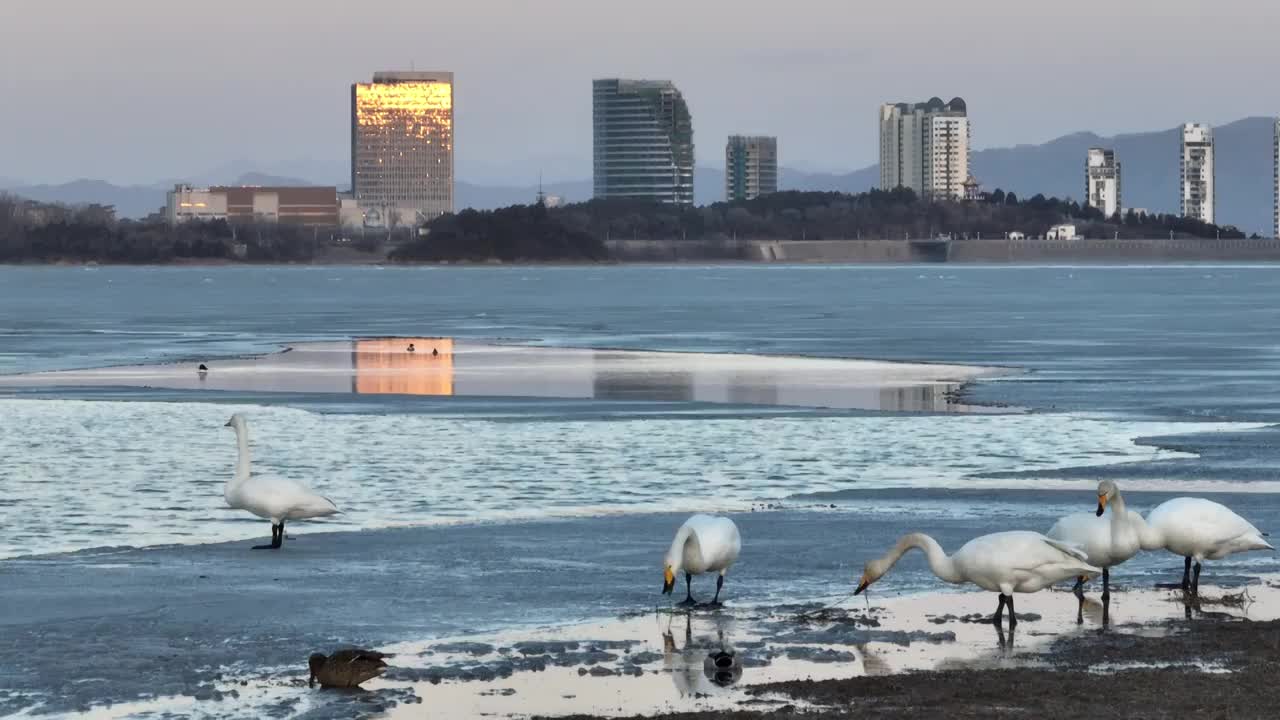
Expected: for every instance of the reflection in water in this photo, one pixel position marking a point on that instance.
(644, 386)
(399, 366)
(704, 664)
(443, 366)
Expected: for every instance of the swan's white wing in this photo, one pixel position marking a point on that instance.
(1008, 557)
(283, 498)
(718, 543)
(1088, 532)
(1069, 548)
(1195, 526)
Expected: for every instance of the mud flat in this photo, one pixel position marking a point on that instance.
(442, 366)
(927, 655)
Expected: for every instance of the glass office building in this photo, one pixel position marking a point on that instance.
(643, 141)
(402, 145)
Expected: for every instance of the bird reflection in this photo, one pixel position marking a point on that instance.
(704, 664)
(1006, 643)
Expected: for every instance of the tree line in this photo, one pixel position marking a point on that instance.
(42, 232)
(877, 214)
(47, 232)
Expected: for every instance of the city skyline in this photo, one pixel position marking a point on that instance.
(174, 92)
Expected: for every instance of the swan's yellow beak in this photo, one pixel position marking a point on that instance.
(668, 580)
(862, 584)
(1102, 504)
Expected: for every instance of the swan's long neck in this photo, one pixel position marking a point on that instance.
(1124, 529)
(242, 459)
(675, 556)
(941, 565)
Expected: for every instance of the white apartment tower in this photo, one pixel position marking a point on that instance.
(925, 147)
(750, 167)
(1102, 181)
(1197, 172)
(1275, 208)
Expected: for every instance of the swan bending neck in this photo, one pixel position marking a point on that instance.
(675, 555)
(941, 565)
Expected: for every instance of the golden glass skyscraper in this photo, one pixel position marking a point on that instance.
(402, 147)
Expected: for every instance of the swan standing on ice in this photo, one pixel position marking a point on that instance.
(1003, 562)
(703, 544)
(1107, 540)
(1199, 530)
(277, 499)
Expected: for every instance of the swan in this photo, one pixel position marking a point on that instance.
(277, 499)
(703, 544)
(1199, 530)
(1107, 540)
(345, 668)
(1003, 562)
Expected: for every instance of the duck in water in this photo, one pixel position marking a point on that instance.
(345, 668)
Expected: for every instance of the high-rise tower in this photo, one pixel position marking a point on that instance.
(643, 141)
(402, 146)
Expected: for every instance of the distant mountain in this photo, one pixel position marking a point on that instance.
(257, 178)
(708, 187)
(1149, 170)
(129, 200)
(1056, 168)
(488, 197)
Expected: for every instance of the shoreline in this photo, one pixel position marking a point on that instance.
(926, 653)
(473, 612)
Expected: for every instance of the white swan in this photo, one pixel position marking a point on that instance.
(1199, 530)
(277, 499)
(1107, 540)
(703, 544)
(1003, 562)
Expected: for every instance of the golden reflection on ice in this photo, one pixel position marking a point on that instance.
(403, 366)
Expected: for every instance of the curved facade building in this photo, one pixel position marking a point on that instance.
(643, 141)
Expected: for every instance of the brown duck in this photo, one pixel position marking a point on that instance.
(346, 668)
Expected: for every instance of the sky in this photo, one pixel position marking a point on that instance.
(141, 91)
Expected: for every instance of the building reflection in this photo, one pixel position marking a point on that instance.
(443, 366)
(389, 366)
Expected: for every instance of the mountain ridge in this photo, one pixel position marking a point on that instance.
(1149, 164)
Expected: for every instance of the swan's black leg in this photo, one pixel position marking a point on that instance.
(715, 601)
(280, 538)
(999, 612)
(688, 589)
(1186, 574)
(1013, 617)
(275, 540)
(1078, 591)
(1106, 596)
(1195, 581)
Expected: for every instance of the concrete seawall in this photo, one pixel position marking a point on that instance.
(958, 251)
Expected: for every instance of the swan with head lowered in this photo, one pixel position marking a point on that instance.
(1199, 530)
(1107, 539)
(1003, 562)
(703, 544)
(276, 499)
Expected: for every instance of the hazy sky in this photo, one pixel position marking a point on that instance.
(141, 90)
